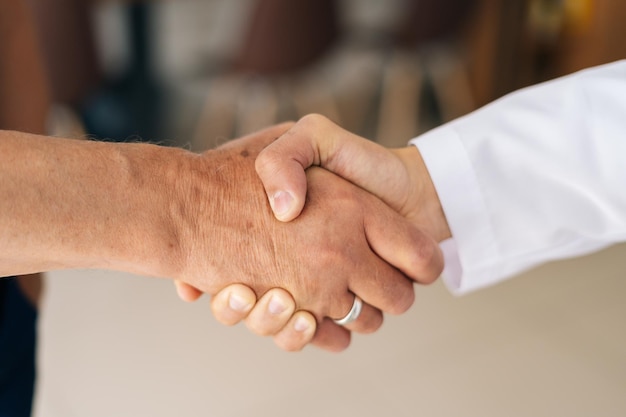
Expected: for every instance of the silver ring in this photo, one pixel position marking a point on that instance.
(353, 314)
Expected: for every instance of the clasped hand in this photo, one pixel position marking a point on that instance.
(367, 225)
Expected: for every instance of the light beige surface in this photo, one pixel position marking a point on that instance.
(548, 343)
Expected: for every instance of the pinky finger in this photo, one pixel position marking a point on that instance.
(331, 337)
(186, 292)
(297, 333)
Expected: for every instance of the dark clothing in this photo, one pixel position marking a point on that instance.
(18, 322)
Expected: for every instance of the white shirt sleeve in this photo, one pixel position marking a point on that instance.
(535, 176)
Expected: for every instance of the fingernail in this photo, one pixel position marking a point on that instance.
(237, 303)
(276, 306)
(281, 202)
(301, 324)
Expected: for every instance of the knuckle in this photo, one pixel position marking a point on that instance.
(372, 325)
(261, 331)
(288, 344)
(313, 119)
(256, 327)
(424, 261)
(222, 320)
(404, 303)
(331, 337)
(217, 308)
(287, 124)
(226, 319)
(293, 348)
(267, 159)
(264, 332)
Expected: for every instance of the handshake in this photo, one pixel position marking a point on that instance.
(349, 228)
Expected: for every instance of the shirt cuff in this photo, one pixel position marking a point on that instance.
(468, 255)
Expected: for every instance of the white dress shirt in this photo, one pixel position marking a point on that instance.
(537, 175)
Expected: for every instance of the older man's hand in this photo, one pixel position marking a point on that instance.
(333, 251)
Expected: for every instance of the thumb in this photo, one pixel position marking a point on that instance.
(281, 168)
(315, 140)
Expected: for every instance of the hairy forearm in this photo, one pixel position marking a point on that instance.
(79, 204)
(202, 219)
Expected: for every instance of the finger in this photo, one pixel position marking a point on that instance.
(271, 313)
(297, 333)
(281, 167)
(330, 336)
(186, 292)
(233, 304)
(402, 245)
(383, 286)
(368, 321)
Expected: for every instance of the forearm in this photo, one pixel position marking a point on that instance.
(79, 204)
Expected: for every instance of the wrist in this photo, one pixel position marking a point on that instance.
(152, 178)
(424, 207)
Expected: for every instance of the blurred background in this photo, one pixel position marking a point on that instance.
(195, 73)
